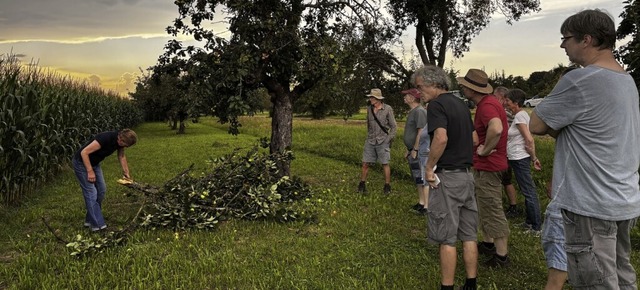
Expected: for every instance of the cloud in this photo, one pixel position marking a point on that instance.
(94, 80)
(126, 83)
(72, 19)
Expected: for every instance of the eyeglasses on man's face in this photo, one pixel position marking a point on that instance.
(564, 38)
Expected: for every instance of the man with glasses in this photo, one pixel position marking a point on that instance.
(593, 113)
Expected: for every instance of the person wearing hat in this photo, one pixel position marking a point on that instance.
(490, 165)
(417, 148)
(381, 129)
(453, 212)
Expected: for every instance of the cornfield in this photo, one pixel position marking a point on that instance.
(44, 118)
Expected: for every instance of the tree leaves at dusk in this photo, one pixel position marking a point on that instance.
(630, 52)
(443, 25)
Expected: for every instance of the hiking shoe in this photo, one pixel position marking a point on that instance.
(486, 250)
(497, 262)
(387, 189)
(512, 212)
(362, 188)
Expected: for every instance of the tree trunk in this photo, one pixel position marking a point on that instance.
(281, 126)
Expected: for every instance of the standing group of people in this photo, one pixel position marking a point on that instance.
(464, 163)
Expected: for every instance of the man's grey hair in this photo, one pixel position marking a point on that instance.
(500, 91)
(432, 75)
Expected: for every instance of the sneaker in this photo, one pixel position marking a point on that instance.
(512, 212)
(422, 211)
(362, 187)
(387, 189)
(417, 207)
(496, 262)
(486, 250)
(533, 232)
(87, 225)
(99, 229)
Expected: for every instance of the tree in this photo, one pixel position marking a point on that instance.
(630, 52)
(285, 46)
(443, 25)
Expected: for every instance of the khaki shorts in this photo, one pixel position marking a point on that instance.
(493, 222)
(376, 153)
(453, 213)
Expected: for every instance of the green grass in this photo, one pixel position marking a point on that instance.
(359, 242)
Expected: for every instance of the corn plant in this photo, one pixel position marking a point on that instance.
(44, 118)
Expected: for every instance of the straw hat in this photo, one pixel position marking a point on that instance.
(476, 80)
(376, 93)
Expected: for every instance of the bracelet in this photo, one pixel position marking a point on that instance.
(534, 160)
(415, 150)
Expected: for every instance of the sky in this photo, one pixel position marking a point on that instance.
(109, 42)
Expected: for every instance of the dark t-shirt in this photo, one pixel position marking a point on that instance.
(108, 144)
(449, 112)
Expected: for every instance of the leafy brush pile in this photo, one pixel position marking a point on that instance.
(245, 186)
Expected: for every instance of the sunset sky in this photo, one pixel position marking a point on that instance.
(107, 42)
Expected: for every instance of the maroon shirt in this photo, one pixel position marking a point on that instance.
(488, 108)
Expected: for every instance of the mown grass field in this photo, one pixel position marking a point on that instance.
(359, 242)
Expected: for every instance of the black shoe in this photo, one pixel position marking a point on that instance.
(422, 211)
(417, 207)
(486, 250)
(362, 187)
(387, 188)
(512, 212)
(497, 262)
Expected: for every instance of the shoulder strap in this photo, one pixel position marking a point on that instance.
(384, 129)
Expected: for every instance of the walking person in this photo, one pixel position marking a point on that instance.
(521, 152)
(593, 114)
(86, 165)
(416, 122)
(381, 129)
(490, 165)
(453, 213)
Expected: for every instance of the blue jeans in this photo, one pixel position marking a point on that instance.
(93, 193)
(522, 171)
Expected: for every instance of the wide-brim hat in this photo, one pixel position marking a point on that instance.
(376, 93)
(476, 80)
(414, 92)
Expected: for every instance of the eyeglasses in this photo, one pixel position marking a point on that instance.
(564, 38)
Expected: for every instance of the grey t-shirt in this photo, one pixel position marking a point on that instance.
(416, 119)
(597, 154)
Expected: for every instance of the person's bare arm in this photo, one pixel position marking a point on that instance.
(438, 144)
(84, 154)
(539, 127)
(494, 131)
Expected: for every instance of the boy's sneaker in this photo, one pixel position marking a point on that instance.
(497, 262)
(362, 187)
(486, 250)
(387, 188)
